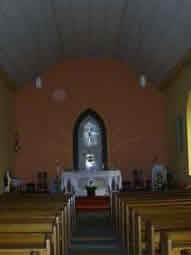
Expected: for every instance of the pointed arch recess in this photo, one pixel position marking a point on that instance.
(91, 113)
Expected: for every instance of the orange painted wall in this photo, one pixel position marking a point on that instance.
(134, 117)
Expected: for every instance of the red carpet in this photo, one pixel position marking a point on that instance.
(98, 203)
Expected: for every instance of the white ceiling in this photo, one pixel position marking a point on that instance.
(34, 34)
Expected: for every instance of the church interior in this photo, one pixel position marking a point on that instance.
(95, 127)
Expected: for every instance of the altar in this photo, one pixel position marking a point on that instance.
(90, 160)
(105, 181)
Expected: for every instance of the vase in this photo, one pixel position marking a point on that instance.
(91, 193)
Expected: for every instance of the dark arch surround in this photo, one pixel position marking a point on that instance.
(99, 120)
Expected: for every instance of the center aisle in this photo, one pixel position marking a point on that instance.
(94, 235)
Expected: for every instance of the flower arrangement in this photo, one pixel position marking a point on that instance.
(90, 187)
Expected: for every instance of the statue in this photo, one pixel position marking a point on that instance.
(90, 134)
(7, 180)
(159, 176)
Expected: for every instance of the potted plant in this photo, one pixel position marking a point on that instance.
(91, 188)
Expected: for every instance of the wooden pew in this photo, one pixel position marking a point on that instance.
(131, 196)
(39, 217)
(127, 205)
(175, 228)
(25, 244)
(174, 240)
(28, 215)
(151, 197)
(56, 201)
(32, 226)
(164, 215)
(128, 226)
(131, 210)
(37, 202)
(35, 216)
(139, 196)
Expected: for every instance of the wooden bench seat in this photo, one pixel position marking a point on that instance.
(31, 215)
(16, 243)
(175, 230)
(22, 239)
(138, 197)
(162, 220)
(127, 221)
(38, 214)
(175, 240)
(127, 206)
(45, 226)
(38, 201)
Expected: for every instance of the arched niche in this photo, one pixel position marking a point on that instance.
(89, 142)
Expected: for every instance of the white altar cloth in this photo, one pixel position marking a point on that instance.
(104, 181)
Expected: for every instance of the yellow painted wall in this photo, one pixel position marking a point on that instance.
(188, 128)
(7, 128)
(177, 93)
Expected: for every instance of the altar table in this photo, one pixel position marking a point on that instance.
(105, 181)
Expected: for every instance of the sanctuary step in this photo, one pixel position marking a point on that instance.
(97, 203)
(94, 235)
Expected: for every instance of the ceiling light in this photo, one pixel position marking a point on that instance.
(38, 82)
(142, 81)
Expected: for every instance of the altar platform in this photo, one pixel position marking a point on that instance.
(105, 181)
